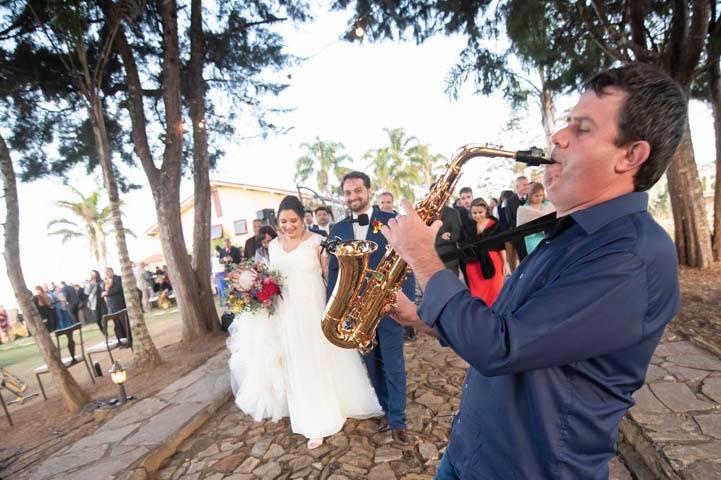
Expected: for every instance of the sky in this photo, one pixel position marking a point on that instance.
(342, 92)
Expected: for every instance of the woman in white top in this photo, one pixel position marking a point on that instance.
(536, 207)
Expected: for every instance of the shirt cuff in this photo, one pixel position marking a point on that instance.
(440, 288)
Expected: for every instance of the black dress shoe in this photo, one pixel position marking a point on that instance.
(383, 425)
(400, 435)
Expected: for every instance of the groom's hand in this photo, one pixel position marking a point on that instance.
(414, 241)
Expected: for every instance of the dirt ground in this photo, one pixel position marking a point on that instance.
(700, 315)
(42, 427)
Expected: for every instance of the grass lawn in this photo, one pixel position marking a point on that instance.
(25, 348)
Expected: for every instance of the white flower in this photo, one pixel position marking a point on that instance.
(247, 279)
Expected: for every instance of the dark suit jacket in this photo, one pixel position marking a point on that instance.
(344, 230)
(71, 296)
(234, 253)
(448, 249)
(115, 298)
(316, 229)
(512, 205)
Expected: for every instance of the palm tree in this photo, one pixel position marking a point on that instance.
(391, 168)
(428, 164)
(322, 157)
(91, 221)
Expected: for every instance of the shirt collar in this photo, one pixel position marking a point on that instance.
(596, 217)
(368, 212)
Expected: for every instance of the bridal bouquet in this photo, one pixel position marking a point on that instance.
(255, 287)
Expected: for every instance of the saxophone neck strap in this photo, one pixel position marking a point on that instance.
(546, 222)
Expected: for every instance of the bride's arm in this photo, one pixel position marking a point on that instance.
(323, 259)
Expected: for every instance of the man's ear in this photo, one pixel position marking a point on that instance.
(636, 154)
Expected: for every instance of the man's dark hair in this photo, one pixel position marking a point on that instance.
(322, 209)
(465, 190)
(308, 211)
(654, 110)
(360, 175)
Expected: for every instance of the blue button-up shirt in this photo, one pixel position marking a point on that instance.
(555, 361)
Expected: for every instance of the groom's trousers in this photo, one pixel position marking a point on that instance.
(387, 372)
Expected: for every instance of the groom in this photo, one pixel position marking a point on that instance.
(385, 363)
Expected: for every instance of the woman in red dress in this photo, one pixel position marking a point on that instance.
(486, 266)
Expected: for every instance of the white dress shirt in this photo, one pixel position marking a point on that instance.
(360, 232)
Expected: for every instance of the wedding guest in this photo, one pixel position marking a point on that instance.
(218, 277)
(323, 224)
(253, 242)
(115, 300)
(486, 266)
(144, 284)
(536, 207)
(94, 289)
(308, 219)
(60, 304)
(385, 202)
(45, 307)
(555, 363)
(73, 302)
(267, 234)
(229, 254)
(448, 237)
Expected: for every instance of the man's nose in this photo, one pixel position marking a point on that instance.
(560, 138)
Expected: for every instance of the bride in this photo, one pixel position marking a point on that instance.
(281, 364)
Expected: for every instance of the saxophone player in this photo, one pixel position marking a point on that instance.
(556, 361)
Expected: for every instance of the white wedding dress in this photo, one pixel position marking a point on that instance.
(282, 364)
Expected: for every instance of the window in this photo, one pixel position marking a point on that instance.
(216, 231)
(240, 227)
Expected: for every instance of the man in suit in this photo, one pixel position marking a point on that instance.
(385, 363)
(308, 219)
(229, 254)
(252, 244)
(323, 224)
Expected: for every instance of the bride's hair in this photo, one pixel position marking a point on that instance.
(292, 203)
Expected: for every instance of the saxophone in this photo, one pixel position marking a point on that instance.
(356, 306)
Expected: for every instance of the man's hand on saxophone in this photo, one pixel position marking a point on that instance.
(414, 241)
(403, 311)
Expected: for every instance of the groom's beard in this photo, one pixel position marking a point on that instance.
(360, 209)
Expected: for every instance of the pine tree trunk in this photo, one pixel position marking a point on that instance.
(715, 91)
(693, 241)
(73, 396)
(548, 110)
(165, 181)
(183, 277)
(145, 355)
(201, 167)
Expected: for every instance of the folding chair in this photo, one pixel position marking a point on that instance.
(108, 345)
(73, 359)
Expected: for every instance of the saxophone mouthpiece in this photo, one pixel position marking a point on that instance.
(534, 157)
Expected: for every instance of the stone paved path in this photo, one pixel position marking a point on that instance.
(140, 438)
(233, 447)
(675, 426)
